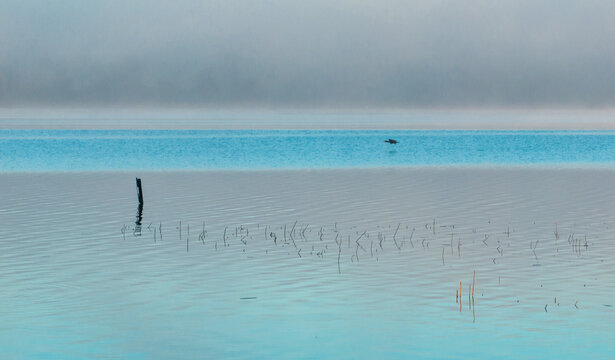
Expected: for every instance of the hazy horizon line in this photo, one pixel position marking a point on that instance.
(218, 118)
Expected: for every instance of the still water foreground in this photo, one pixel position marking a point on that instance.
(309, 264)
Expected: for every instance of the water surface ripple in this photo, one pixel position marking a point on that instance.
(71, 150)
(360, 263)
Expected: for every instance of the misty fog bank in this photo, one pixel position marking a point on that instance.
(307, 54)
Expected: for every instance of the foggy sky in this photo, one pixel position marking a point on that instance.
(311, 53)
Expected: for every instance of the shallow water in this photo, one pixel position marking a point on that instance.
(69, 150)
(79, 281)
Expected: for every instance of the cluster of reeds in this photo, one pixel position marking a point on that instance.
(458, 293)
(299, 236)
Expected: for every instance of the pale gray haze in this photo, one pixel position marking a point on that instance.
(280, 53)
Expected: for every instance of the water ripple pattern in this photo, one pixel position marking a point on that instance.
(328, 264)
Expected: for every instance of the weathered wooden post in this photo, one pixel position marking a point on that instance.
(139, 191)
(137, 231)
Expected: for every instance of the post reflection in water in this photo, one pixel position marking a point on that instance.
(139, 219)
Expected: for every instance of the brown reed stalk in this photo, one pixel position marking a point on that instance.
(292, 231)
(201, 235)
(394, 237)
(443, 256)
(470, 294)
(292, 238)
(339, 253)
(473, 282)
(359, 238)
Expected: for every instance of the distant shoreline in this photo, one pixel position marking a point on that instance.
(306, 119)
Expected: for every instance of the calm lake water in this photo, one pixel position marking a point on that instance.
(309, 263)
(51, 150)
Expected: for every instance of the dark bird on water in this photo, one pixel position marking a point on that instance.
(391, 141)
